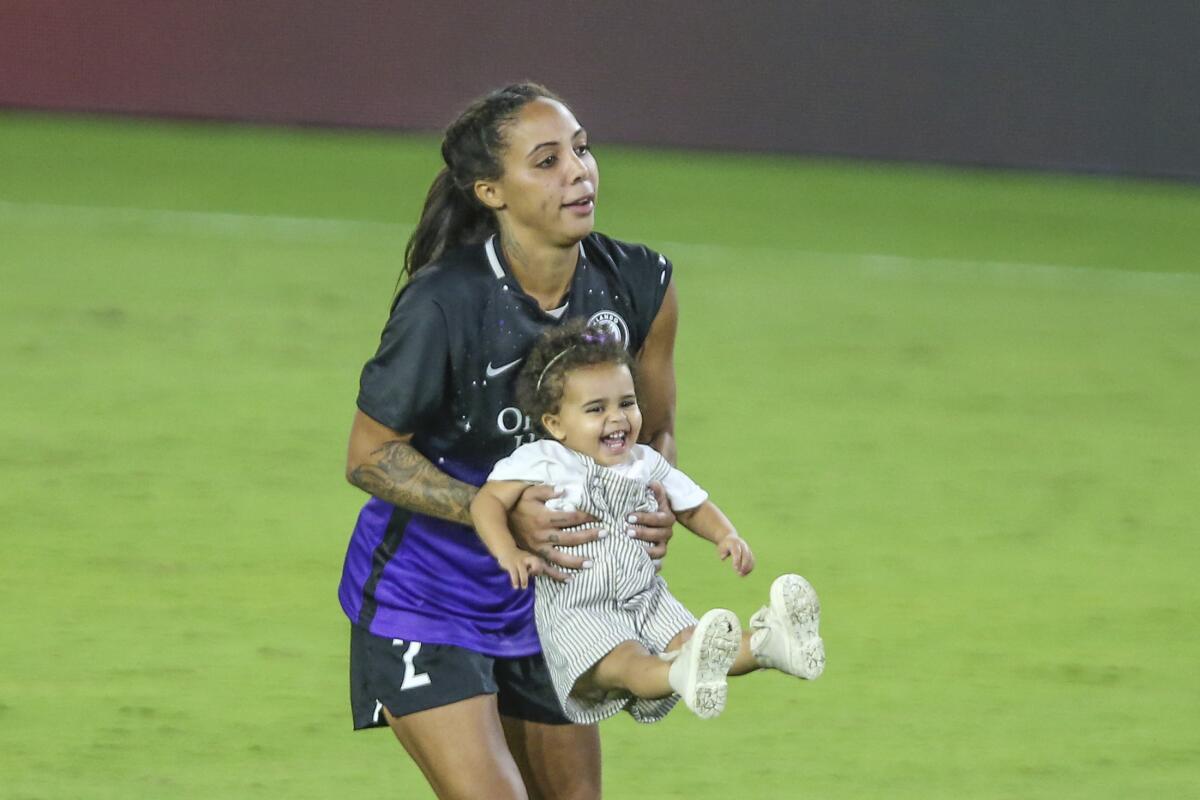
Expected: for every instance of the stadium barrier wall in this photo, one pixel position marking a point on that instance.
(1106, 87)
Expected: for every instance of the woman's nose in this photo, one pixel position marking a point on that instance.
(578, 170)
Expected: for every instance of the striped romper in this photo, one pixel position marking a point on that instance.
(620, 598)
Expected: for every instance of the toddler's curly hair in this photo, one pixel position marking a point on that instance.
(558, 352)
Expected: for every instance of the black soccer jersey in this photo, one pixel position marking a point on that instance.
(449, 357)
(446, 372)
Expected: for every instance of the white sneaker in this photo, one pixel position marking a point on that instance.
(785, 633)
(698, 674)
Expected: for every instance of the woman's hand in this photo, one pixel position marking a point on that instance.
(539, 530)
(735, 546)
(654, 527)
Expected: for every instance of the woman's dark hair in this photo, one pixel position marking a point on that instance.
(558, 353)
(471, 148)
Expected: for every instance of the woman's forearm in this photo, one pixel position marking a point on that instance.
(664, 443)
(397, 473)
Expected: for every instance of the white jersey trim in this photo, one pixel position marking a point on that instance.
(494, 260)
(497, 270)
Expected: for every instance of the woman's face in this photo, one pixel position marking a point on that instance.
(547, 192)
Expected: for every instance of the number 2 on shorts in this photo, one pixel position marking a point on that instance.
(412, 678)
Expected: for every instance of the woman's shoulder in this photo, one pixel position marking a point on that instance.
(623, 255)
(640, 275)
(450, 273)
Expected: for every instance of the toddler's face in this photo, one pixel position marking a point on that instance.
(599, 414)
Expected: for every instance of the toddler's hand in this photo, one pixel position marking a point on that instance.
(521, 566)
(743, 557)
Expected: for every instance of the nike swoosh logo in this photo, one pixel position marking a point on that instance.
(494, 371)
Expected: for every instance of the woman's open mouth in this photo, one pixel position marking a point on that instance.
(583, 206)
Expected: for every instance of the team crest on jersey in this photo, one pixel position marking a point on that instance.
(611, 321)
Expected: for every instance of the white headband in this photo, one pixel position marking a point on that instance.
(549, 364)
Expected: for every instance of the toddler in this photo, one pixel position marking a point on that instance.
(614, 637)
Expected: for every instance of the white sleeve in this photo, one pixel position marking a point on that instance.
(682, 492)
(547, 463)
(527, 463)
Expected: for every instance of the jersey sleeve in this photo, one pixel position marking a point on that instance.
(646, 274)
(650, 275)
(405, 383)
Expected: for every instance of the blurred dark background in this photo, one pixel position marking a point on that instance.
(1107, 87)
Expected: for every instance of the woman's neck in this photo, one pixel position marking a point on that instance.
(544, 271)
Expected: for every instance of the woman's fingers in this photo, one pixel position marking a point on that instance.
(541, 493)
(563, 558)
(655, 527)
(559, 538)
(551, 571)
(651, 526)
(656, 524)
(569, 519)
(655, 537)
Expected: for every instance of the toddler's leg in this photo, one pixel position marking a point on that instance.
(745, 661)
(696, 671)
(631, 667)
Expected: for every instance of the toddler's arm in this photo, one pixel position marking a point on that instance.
(709, 522)
(489, 513)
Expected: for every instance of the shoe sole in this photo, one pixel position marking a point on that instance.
(795, 601)
(718, 637)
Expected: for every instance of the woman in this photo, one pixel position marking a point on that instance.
(443, 650)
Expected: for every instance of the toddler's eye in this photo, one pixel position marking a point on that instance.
(583, 149)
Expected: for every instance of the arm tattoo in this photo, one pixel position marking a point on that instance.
(403, 477)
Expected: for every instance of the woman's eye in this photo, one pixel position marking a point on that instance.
(593, 409)
(583, 149)
(546, 162)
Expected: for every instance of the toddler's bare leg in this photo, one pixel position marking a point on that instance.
(631, 667)
(745, 661)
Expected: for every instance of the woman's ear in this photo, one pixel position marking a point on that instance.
(553, 426)
(489, 194)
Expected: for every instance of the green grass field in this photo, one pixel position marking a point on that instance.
(964, 403)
